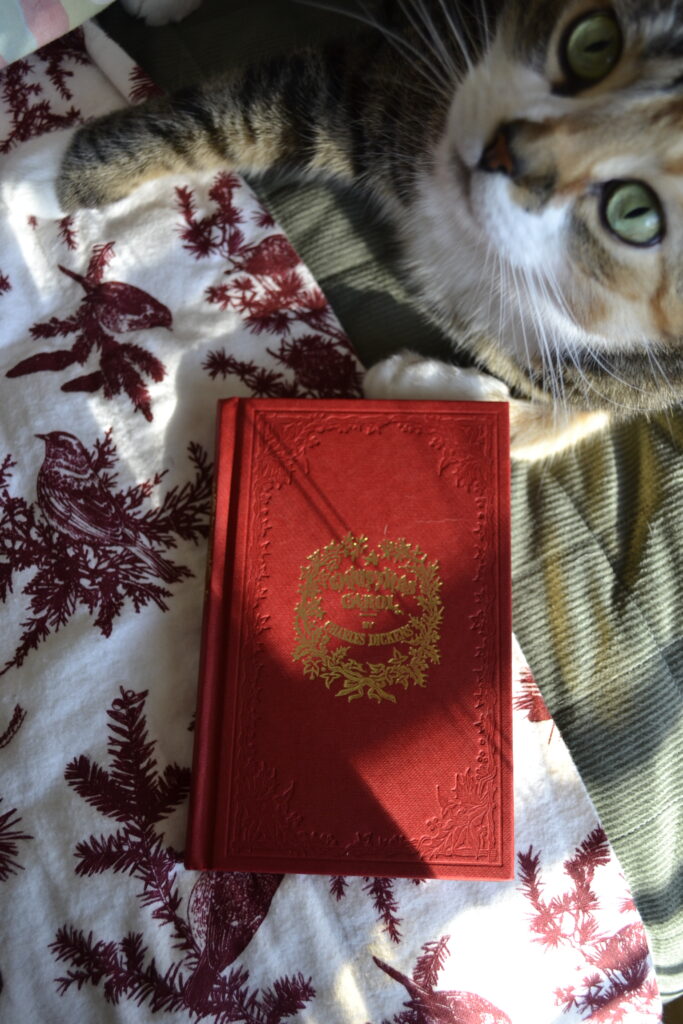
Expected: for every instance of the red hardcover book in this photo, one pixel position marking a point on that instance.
(354, 712)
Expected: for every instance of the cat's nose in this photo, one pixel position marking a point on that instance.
(498, 156)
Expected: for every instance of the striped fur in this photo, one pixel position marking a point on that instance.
(517, 265)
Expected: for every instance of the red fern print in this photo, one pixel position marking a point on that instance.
(15, 724)
(531, 701)
(382, 892)
(9, 837)
(108, 306)
(619, 974)
(224, 911)
(70, 47)
(264, 285)
(31, 114)
(90, 545)
(428, 1005)
(142, 87)
(67, 232)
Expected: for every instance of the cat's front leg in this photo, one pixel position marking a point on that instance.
(538, 429)
(406, 375)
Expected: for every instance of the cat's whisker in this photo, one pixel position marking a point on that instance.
(431, 39)
(609, 372)
(502, 293)
(549, 335)
(547, 378)
(506, 310)
(483, 289)
(554, 297)
(534, 285)
(484, 21)
(658, 371)
(488, 280)
(457, 35)
(443, 86)
(546, 371)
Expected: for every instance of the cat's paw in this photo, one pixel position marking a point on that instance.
(160, 12)
(29, 175)
(406, 375)
(540, 430)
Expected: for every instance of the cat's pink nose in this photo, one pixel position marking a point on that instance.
(498, 156)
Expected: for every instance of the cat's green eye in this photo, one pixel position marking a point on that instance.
(632, 212)
(591, 47)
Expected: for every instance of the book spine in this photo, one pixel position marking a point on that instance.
(217, 599)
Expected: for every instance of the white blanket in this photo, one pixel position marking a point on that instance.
(119, 330)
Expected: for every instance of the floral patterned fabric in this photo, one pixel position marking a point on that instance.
(119, 330)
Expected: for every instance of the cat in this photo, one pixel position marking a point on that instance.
(530, 156)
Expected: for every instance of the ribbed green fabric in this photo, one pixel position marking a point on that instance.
(597, 534)
(598, 595)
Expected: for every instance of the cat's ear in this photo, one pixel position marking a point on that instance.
(160, 12)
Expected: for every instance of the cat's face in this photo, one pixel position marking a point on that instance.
(557, 190)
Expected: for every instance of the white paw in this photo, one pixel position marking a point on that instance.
(410, 376)
(28, 175)
(160, 12)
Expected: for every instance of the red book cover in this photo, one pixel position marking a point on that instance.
(354, 713)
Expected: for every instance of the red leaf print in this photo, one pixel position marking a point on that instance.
(91, 546)
(622, 975)
(9, 837)
(108, 306)
(16, 722)
(383, 894)
(5, 285)
(70, 47)
(531, 700)
(224, 910)
(142, 86)
(384, 901)
(263, 285)
(30, 116)
(67, 232)
(338, 886)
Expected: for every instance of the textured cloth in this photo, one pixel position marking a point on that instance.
(27, 24)
(597, 533)
(119, 331)
(598, 593)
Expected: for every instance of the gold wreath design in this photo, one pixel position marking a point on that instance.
(369, 679)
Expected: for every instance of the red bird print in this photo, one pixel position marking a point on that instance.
(78, 504)
(435, 1007)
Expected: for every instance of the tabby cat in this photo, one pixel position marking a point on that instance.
(530, 155)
